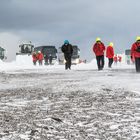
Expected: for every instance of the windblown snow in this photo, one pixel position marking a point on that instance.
(49, 103)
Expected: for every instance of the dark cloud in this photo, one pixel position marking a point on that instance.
(52, 21)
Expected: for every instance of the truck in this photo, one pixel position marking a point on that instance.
(24, 56)
(75, 56)
(49, 52)
(25, 49)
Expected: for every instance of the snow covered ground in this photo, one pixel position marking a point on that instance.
(49, 103)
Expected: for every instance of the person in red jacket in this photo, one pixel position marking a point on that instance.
(115, 59)
(34, 58)
(40, 57)
(98, 49)
(110, 54)
(135, 52)
(119, 59)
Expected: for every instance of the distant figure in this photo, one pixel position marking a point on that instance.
(40, 57)
(46, 59)
(85, 61)
(34, 58)
(98, 49)
(115, 59)
(50, 59)
(110, 54)
(135, 53)
(67, 49)
(119, 59)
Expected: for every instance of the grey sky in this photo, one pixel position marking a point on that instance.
(79, 21)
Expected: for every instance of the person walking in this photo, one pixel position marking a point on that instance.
(50, 59)
(46, 59)
(40, 57)
(34, 58)
(67, 49)
(135, 53)
(98, 49)
(115, 59)
(119, 58)
(110, 54)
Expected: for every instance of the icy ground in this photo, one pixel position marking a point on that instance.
(81, 104)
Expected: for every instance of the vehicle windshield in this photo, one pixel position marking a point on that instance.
(127, 52)
(26, 48)
(49, 50)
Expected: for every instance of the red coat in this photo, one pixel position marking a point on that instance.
(34, 57)
(115, 59)
(134, 52)
(40, 56)
(98, 49)
(119, 58)
(109, 52)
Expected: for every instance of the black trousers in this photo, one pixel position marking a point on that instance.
(40, 62)
(100, 62)
(137, 64)
(110, 62)
(34, 62)
(68, 61)
(50, 61)
(46, 61)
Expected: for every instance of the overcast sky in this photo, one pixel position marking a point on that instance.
(50, 22)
